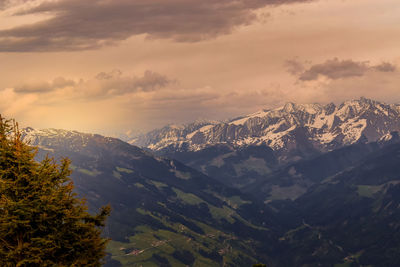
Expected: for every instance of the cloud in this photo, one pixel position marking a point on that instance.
(294, 67)
(6, 4)
(377, 85)
(15, 103)
(152, 100)
(114, 83)
(335, 69)
(149, 100)
(42, 87)
(108, 97)
(385, 67)
(103, 85)
(339, 80)
(83, 25)
(185, 105)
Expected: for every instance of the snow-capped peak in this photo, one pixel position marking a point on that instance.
(322, 127)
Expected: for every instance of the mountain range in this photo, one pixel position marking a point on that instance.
(241, 151)
(160, 206)
(301, 185)
(287, 130)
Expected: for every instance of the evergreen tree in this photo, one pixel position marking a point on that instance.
(42, 222)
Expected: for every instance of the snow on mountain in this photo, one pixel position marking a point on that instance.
(322, 127)
(47, 139)
(36, 136)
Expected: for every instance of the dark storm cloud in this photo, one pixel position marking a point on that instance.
(335, 69)
(90, 24)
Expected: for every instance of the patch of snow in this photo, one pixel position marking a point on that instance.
(272, 126)
(353, 129)
(239, 121)
(206, 128)
(382, 110)
(326, 138)
(189, 136)
(259, 114)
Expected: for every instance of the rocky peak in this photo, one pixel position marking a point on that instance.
(323, 127)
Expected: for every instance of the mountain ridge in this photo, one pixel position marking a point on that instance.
(159, 206)
(166, 212)
(314, 126)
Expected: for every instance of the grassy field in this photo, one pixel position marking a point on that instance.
(180, 247)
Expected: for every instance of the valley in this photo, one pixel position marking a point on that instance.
(235, 205)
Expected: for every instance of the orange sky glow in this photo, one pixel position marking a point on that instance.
(112, 66)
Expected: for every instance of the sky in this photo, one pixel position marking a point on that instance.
(128, 66)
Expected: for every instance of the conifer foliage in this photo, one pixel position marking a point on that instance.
(42, 222)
